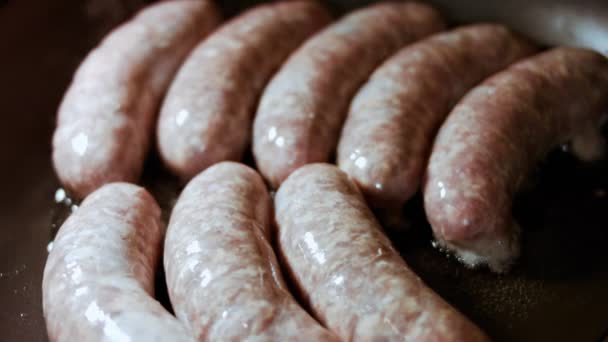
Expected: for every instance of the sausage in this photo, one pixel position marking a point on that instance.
(302, 109)
(106, 119)
(99, 277)
(348, 272)
(223, 278)
(206, 116)
(496, 135)
(389, 131)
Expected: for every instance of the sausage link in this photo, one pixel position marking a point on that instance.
(394, 117)
(496, 135)
(106, 119)
(347, 270)
(302, 109)
(99, 278)
(223, 277)
(206, 116)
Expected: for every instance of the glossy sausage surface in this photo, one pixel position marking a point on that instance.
(393, 119)
(99, 278)
(346, 269)
(302, 109)
(497, 134)
(206, 116)
(223, 277)
(106, 119)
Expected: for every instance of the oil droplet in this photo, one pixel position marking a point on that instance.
(60, 195)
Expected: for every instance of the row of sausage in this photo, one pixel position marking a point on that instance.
(224, 279)
(399, 111)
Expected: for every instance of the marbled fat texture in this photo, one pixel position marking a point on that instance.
(99, 278)
(207, 114)
(223, 277)
(348, 272)
(497, 134)
(106, 119)
(388, 134)
(303, 107)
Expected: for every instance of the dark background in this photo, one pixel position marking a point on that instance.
(559, 291)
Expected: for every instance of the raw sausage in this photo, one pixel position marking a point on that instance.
(302, 109)
(394, 117)
(99, 278)
(223, 277)
(346, 269)
(106, 119)
(206, 116)
(496, 135)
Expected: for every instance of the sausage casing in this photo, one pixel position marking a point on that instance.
(223, 277)
(393, 119)
(497, 134)
(105, 121)
(99, 278)
(206, 116)
(348, 272)
(303, 107)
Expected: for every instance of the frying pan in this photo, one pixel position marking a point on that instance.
(558, 292)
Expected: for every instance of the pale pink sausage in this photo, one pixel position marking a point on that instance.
(106, 119)
(206, 116)
(496, 135)
(393, 119)
(223, 278)
(99, 278)
(302, 109)
(348, 272)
